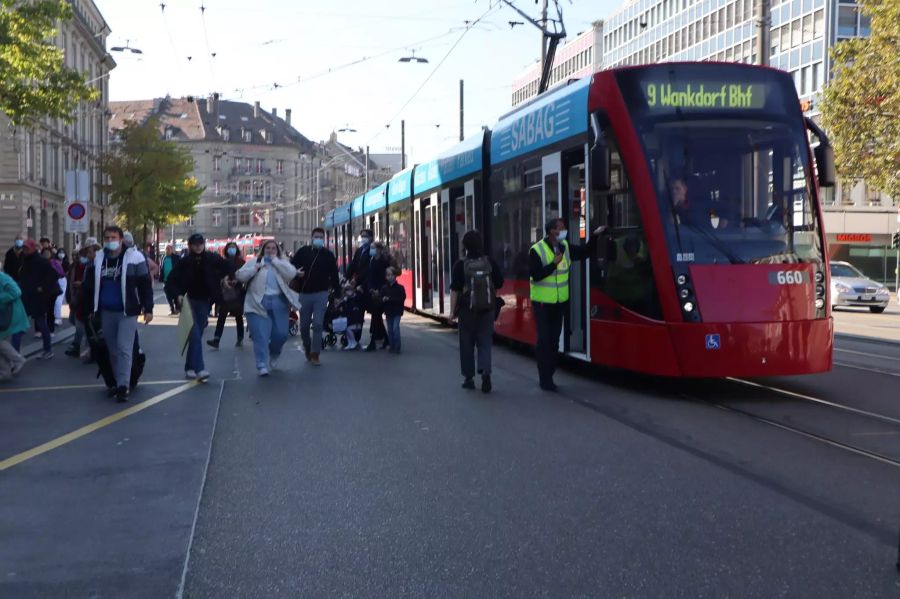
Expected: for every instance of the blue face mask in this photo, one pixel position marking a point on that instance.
(20, 243)
(318, 243)
(112, 245)
(232, 251)
(372, 252)
(84, 260)
(563, 234)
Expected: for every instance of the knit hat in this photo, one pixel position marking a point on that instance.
(196, 239)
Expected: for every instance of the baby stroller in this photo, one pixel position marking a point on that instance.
(293, 322)
(335, 327)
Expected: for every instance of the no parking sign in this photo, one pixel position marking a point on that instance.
(77, 192)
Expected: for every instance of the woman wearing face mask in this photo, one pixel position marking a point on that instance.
(76, 305)
(377, 278)
(54, 311)
(267, 302)
(317, 274)
(232, 299)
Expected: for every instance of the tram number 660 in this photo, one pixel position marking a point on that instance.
(787, 277)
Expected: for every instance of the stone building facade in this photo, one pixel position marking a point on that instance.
(35, 156)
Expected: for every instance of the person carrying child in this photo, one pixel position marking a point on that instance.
(393, 296)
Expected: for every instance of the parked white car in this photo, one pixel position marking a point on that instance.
(849, 287)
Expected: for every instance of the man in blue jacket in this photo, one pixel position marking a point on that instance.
(118, 287)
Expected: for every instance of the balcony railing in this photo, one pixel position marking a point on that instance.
(240, 171)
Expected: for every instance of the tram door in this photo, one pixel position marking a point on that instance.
(433, 233)
(446, 253)
(557, 203)
(421, 245)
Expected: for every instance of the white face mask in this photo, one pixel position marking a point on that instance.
(563, 235)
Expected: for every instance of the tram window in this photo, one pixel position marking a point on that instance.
(399, 235)
(517, 215)
(622, 268)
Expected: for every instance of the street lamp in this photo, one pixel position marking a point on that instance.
(347, 129)
(126, 48)
(414, 58)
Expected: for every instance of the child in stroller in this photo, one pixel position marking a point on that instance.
(351, 311)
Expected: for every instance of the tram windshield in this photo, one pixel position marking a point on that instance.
(729, 158)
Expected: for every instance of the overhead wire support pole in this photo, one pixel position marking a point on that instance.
(550, 38)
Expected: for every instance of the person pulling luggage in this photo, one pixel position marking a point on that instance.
(118, 289)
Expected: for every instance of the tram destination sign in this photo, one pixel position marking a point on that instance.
(664, 96)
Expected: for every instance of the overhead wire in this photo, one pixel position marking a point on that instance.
(210, 55)
(165, 22)
(437, 67)
(331, 70)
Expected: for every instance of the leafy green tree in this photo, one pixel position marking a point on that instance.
(34, 81)
(861, 105)
(150, 178)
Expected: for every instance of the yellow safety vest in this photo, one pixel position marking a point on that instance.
(554, 289)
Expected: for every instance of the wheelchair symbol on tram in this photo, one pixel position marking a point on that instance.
(713, 342)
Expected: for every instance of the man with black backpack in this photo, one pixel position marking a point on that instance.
(474, 282)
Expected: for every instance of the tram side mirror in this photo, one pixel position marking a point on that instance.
(600, 176)
(824, 154)
(825, 165)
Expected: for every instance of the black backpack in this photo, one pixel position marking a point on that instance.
(479, 284)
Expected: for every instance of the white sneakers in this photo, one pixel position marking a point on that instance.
(201, 376)
(263, 371)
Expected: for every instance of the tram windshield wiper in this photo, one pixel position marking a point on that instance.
(717, 243)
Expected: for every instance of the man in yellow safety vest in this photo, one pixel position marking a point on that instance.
(548, 266)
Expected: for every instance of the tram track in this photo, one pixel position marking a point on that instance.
(880, 432)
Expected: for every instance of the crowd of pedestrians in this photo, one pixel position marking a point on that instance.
(109, 286)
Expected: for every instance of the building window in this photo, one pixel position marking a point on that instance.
(217, 163)
(847, 18)
(807, 28)
(226, 134)
(244, 217)
(216, 188)
(259, 165)
(247, 135)
(217, 218)
(232, 217)
(168, 133)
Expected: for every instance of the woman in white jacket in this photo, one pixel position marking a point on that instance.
(267, 303)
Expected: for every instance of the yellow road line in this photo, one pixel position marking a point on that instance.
(94, 426)
(74, 387)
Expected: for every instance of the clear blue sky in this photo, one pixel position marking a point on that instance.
(295, 43)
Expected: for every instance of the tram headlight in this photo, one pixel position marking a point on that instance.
(820, 303)
(685, 293)
(681, 279)
(688, 306)
(820, 289)
(820, 276)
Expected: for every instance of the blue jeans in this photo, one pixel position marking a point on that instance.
(16, 341)
(194, 359)
(43, 327)
(393, 332)
(312, 309)
(269, 332)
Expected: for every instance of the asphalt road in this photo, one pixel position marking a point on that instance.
(378, 476)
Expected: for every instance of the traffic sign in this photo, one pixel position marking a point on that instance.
(77, 198)
(76, 210)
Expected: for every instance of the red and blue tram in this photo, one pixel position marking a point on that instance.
(713, 259)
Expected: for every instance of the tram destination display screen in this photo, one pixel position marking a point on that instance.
(658, 91)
